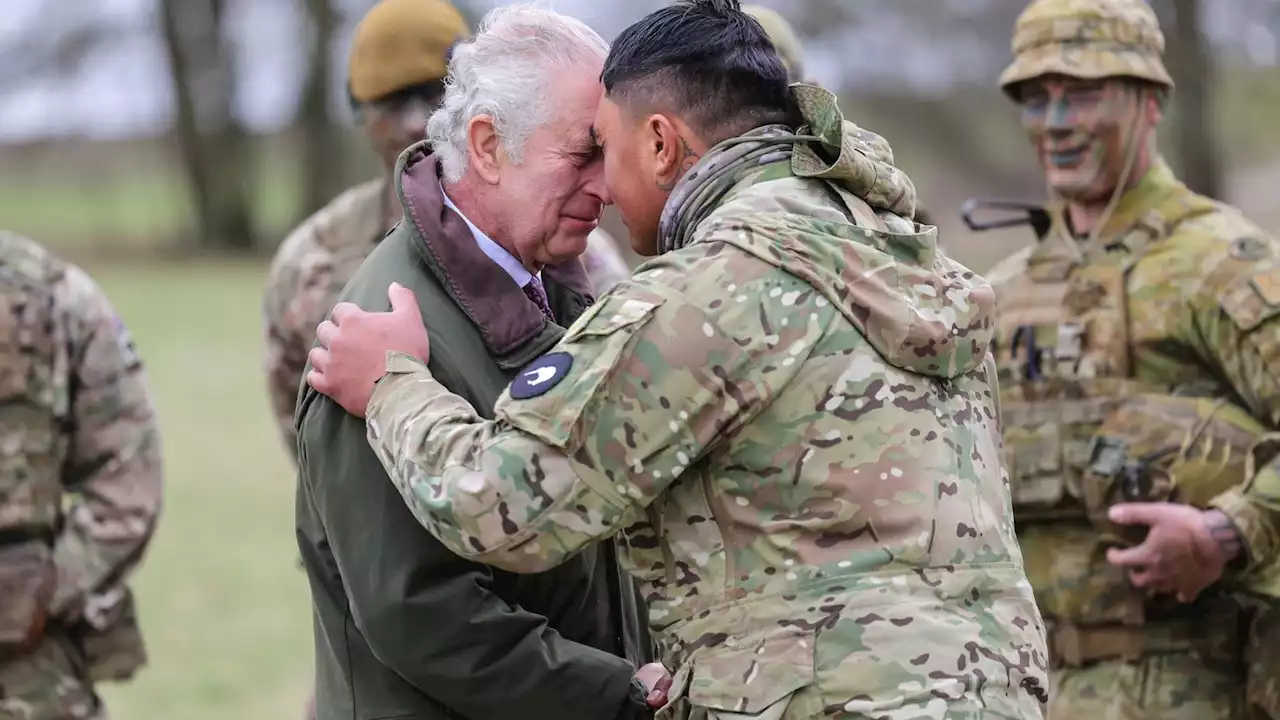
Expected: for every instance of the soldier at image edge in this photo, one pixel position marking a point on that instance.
(1138, 343)
(80, 488)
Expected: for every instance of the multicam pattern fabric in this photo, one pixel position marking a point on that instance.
(1087, 39)
(80, 484)
(790, 423)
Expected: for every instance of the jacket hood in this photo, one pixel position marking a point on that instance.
(921, 310)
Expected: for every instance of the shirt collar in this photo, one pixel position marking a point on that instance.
(492, 249)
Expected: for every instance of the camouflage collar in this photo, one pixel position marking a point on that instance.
(825, 147)
(1158, 201)
(1153, 190)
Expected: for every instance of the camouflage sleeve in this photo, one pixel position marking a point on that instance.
(1239, 333)
(586, 437)
(113, 470)
(293, 293)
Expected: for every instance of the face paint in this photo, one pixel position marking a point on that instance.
(1081, 131)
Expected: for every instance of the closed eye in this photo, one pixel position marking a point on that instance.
(586, 157)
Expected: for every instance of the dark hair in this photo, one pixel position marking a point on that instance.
(706, 60)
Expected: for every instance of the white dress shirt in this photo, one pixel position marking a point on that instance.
(496, 252)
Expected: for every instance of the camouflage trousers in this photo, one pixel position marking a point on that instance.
(1164, 687)
(50, 683)
(1262, 658)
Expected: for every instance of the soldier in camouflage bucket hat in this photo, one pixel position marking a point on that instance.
(1120, 336)
(787, 418)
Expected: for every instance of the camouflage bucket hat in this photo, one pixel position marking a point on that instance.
(1089, 39)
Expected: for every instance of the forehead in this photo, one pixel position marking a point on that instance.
(574, 95)
(607, 117)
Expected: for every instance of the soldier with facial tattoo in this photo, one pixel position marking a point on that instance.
(1139, 351)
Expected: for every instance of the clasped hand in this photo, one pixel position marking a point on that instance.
(353, 344)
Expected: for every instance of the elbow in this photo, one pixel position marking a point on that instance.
(535, 554)
(525, 557)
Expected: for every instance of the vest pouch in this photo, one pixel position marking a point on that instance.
(111, 638)
(27, 581)
(744, 677)
(1165, 448)
(1074, 583)
(1033, 454)
(1113, 476)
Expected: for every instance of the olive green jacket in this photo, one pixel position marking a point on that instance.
(403, 627)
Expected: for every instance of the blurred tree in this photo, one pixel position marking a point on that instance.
(212, 142)
(1191, 65)
(56, 44)
(322, 161)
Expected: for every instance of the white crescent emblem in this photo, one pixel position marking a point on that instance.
(540, 375)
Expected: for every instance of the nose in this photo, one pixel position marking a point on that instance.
(1058, 116)
(594, 182)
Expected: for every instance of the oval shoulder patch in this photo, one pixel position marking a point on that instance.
(541, 375)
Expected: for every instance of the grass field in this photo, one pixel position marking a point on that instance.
(224, 608)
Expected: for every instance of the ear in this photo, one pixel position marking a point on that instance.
(668, 148)
(1156, 102)
(484, 148)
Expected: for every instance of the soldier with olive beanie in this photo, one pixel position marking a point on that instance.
(395, 79)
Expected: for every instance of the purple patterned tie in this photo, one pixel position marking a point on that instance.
(533, 289)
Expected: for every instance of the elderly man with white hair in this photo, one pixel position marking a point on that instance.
(495, 220)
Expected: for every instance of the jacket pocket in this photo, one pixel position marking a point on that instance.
(596, 343)
(748, 676)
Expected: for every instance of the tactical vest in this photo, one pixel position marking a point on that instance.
(35, 405)
(1082, 433)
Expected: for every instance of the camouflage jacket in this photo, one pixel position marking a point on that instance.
(80, 462)
(315, 262)
(789, 419)
(1203, 302)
